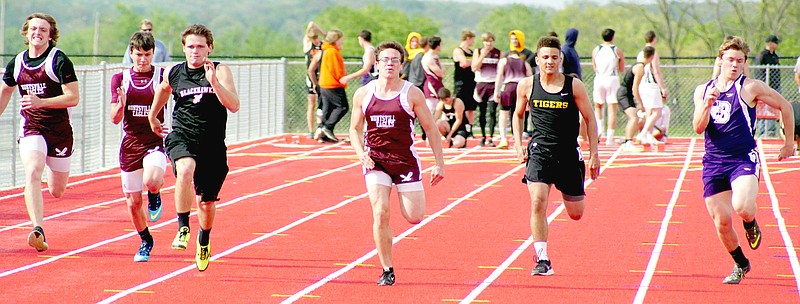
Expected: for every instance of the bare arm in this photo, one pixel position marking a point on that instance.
(69, 98)
(717, 66)
(702, 107)
(221, 80)
(760, 91)
(655, 65)
(430, 64)
(594, 54)
(523, 88)
(638, 74)
(160, 99)
(357, 129)
(477, 61)
(426, 121)
(587, 111)
(117, 108)
(5, 96)
(498, 83)
(461, 59)
(369, 61)
(458, 106)
(312, 69)
(621, 64)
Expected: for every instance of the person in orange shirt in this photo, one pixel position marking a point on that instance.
(332, 82)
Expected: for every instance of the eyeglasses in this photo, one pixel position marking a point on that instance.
(387, 60)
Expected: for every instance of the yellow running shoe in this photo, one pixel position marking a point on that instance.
(36, 239)
(503, 144)
(202, 256)
(181, 240)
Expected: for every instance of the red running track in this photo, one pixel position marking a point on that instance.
(294, 224)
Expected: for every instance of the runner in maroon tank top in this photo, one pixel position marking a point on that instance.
(49, 87)
(389, 106)
(141, 153)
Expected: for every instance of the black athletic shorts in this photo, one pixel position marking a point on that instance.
(211, 163)
(625, 102)
(565, 169)
(466, 94)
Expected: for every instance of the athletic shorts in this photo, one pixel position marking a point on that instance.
(626, 102)
(565, 169)
(719, 173)
(605, 89)
(133, 181)
(211, 163)
(484, 91)
(37, 143)
(402, 168)
(651, 97)
(508, 98)
(466, 95)
(310, 87)
(58, 137)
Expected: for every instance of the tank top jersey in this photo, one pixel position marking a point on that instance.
(488, 71)
(139, 89)
(732, 124)
(450, 113)
(626, 87)
(390, 125)
(309, 55)
(648, 79)
(198, 112)
(554, 116)
(515, 70)
(432, 82)
(38, 76)
(606, 60)
(464, 77)
(372, 74)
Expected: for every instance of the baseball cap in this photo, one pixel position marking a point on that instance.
(773, 38)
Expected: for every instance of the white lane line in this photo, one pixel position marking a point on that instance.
(396, 239)
(122, 199)
(236, 200)
(776, 211)
(517, 252)
(253, 241)
(644, 285)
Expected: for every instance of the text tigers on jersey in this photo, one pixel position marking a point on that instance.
(383, 121)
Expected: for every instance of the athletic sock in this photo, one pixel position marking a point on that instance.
(541, 250)
(41, 231)
(146, 236)
(600, 124)
(183, 219)
(503, 132)
(739, 258)
(610, 133)
(749, 225)
(203, 236)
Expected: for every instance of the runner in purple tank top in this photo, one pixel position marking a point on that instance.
(49, 87)
(141, 153)
(724, 108)
(389, 106)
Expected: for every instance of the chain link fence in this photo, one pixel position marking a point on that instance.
(273, 98)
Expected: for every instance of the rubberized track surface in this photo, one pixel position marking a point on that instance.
(294, 224)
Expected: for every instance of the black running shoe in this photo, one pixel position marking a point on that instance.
(753, 236)
(154, 206)
(387, 278)
(37, 240)
(737, 275)
(329, 134)
(543, 268)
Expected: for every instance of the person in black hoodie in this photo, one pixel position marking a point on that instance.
(572, 62)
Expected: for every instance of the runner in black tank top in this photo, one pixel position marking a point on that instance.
(204, 92)
(553, 155)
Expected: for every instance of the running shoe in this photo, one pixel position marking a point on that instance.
(202, 256)
(144, 252)
(318, 133)
(737, 275)
(610, 141)
(36, 239)
(387, 278)
(503, 144)
(543, 268)
(181, 240)
(329, 134)
(154, 205)
(629, 147)
(753, 236)
(489, 143)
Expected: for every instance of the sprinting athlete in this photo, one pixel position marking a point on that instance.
(553, 155)
(204, 92)
(49, 87)
(724, 108)
(389, 106)
(141, 153)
